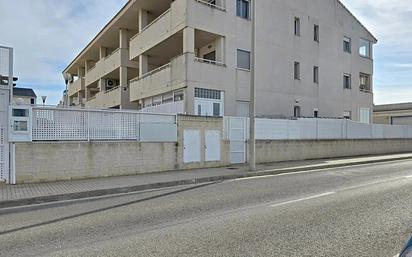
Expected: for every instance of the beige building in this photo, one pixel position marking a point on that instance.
(394, 114)
(313, 59)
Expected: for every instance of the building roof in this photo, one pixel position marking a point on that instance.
(392, 107)
(26, 92)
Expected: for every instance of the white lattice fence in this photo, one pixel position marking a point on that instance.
(3, 155)
(53, 124)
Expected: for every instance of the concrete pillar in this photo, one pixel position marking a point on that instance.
(143, 19)
(123, 39)
(80, 72)
(220, 49)
(86, 66)
(124, 87)
(189, 40)
(143, 65)
(102, 52)
(101, 85)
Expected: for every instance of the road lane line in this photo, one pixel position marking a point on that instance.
(303, 199)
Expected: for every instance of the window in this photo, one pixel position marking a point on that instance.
(347, 45)
(243, 9)
(316, 74)
(243, 59)
(216, 109)
(32, 101)
(365, 48)
(347, 81)
(316, 33)
(207, 93)
(364, 115)
(347, 115)
(297, 26)
(365, 82)
(20, 113)
(178, 96)
(296, 111)
(20, 126)
(167, 98)
(297, 70)
(316, 113)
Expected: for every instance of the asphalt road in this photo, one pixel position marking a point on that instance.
(354, 211)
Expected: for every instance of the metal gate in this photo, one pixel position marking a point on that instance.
(237, 129)
(191, 146)
(4, 143)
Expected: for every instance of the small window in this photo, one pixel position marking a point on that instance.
(316, 33)
(243, 59)
(297, 26)
(243, 9)
(20, 113)
(365, 48)
(20, 126)
(216, 109)
(316, 114)
(296, 111)
(347, 115)
(167, 98)
(199, 110)
(365, 82)
(297, 70)
(316, 74)
(32, 101)
(178, 96)
(347, 81)
(347, 45)
(208, 93)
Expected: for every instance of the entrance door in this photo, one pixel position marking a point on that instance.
(4, 143)
(212, 145)
(191, 146)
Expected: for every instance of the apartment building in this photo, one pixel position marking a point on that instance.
(313, 59)
(393, 114)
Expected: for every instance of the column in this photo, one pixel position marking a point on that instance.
(189, 40)
(124, 84)
(143, 65)
(220, 49)
(102, 52)
(123, 39)
(143, 19)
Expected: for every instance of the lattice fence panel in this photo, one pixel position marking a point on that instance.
(59, 125)
(3, 155)
(113, 126)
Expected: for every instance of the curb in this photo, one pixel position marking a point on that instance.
(130, 189)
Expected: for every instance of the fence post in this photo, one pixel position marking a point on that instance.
(88, 126)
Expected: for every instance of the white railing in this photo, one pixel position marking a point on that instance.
(57, 124)
(221, 8)
(210, 62)
(321, 129)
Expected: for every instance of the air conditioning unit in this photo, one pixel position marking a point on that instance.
(111, 83)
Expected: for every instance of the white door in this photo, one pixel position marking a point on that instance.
(238, 137)
(212, 145)
(191, 146)
(4, 144)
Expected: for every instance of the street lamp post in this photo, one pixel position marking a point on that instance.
(252, 138)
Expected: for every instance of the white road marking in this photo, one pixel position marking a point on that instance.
(410, 176)
(303, 199)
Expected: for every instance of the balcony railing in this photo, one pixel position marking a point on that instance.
(210, 62)
(221, 8)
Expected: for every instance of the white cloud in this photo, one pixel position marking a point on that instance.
(47, 34)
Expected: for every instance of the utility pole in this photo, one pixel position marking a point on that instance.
(252, 109)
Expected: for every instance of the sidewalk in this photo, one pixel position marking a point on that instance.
(27, 194)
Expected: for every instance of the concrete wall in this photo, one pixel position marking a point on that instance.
(77, 160)
(282, 150)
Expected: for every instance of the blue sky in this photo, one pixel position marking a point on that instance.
(47, 34)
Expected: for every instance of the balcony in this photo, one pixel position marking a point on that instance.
(176, 74)
(164, 26)
(108, 64)
(76, 86)
(108, 99)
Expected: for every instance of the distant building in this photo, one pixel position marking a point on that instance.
(395, 114)
(24, 96)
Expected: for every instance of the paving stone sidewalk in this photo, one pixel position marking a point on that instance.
(22, 194)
